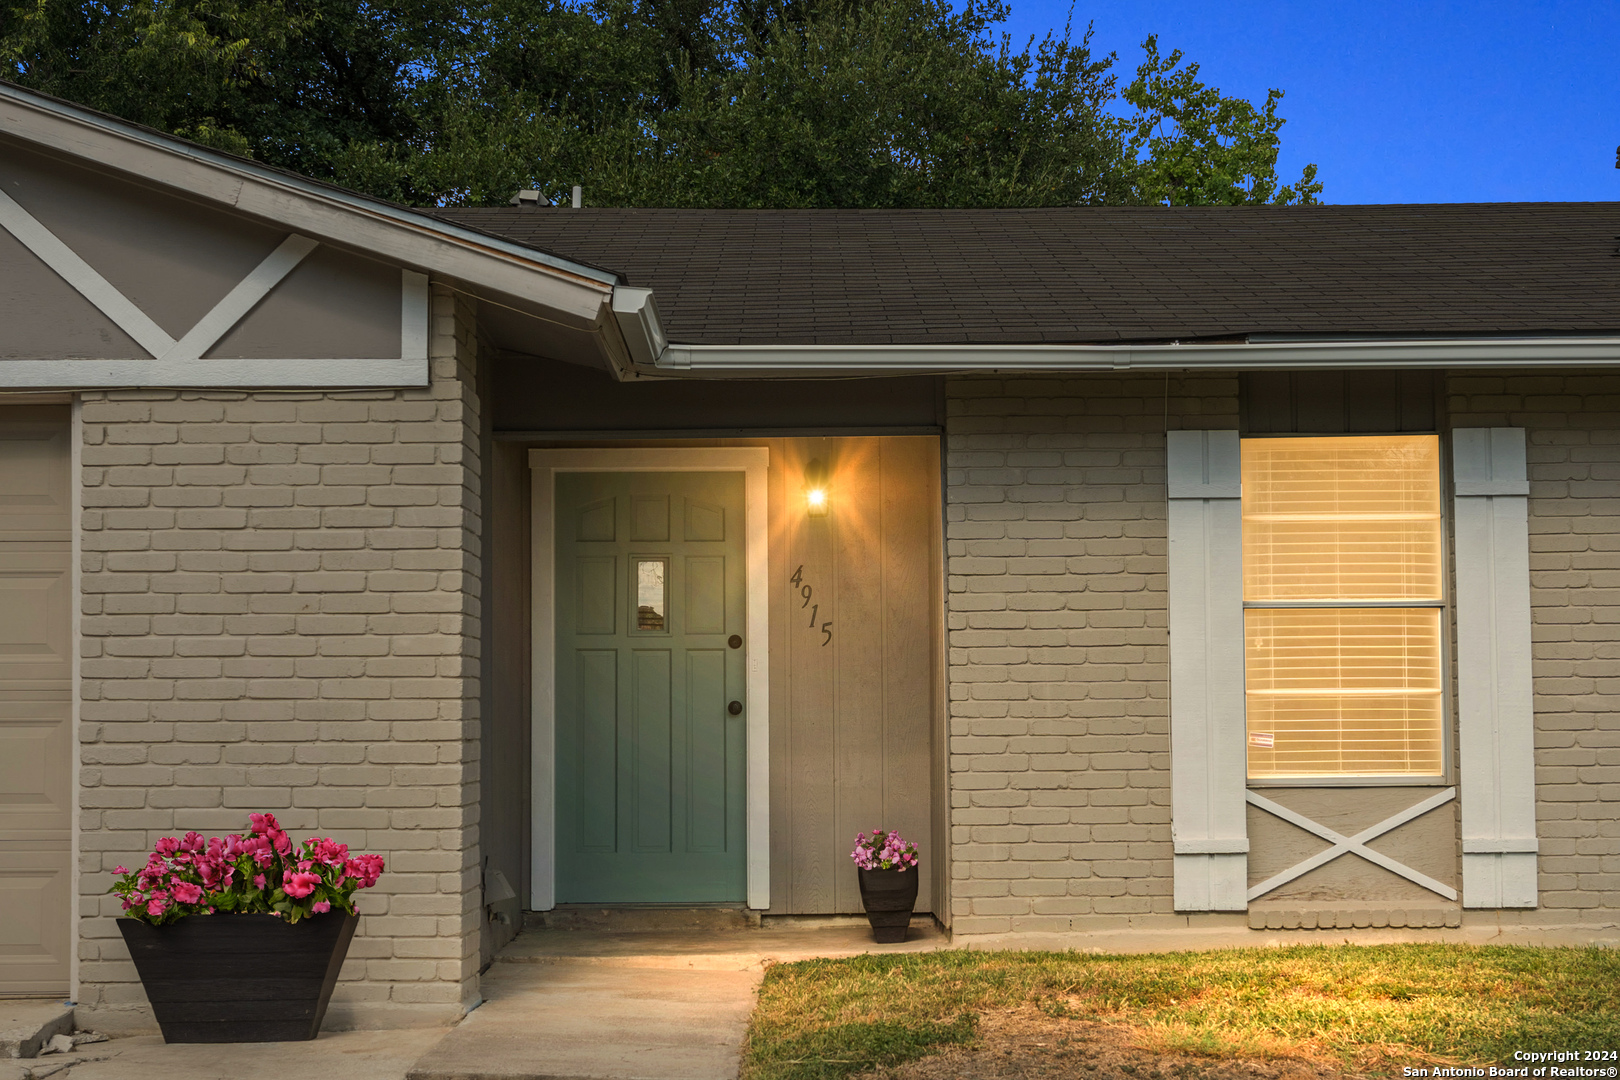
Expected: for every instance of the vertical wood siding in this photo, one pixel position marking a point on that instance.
(853, 730)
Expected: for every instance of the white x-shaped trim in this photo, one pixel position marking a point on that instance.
(123, 311)
(1358, 844)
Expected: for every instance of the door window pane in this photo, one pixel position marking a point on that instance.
(652, 593)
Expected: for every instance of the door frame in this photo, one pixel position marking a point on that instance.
(544, 465)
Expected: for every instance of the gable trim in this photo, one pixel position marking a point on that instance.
(174, 369)
(574, 293)
(83, 277)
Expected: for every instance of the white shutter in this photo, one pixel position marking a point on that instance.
(1495, 713)
(1207, 771)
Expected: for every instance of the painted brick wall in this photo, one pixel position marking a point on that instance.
(1572, 424)
(1056, 631)
(1059, 718)
(280, 612)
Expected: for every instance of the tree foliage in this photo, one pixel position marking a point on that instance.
(746, 103)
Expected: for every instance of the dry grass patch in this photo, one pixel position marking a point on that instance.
(1320, 1009)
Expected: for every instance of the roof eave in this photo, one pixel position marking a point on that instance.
(570, 292)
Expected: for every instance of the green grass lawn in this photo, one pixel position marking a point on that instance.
(1366, 1008)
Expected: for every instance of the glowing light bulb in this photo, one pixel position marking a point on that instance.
(815, 488)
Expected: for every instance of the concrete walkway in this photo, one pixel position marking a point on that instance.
(597, 1005)
(349, 1055)
(588, 1004)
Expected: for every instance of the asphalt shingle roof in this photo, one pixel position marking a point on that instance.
(1098, 274)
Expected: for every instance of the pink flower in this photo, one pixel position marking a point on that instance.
(258, 881)
(193, 841)
(187, 893)
(119, 870)
(298, 885)
(167, 846)
(367, 868)
(330, 852)
(264, 823)
(155, 907)
(321, 907)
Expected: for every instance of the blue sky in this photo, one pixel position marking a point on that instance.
(1420, 101)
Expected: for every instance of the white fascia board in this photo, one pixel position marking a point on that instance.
(253, 374)
(1481, 352)
(576, 293)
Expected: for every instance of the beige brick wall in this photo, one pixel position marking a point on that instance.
(1055, 541)
(1056, 628)
(1572, 424)
(280, 612)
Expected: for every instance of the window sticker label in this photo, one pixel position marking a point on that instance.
(1262, 738)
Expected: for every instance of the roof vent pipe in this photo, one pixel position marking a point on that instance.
(530, 197)
(579, 196)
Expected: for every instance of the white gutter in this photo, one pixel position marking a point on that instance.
(1475, 352)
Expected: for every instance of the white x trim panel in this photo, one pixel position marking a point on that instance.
(179, 363)
(83, 277)
(242, 299)
(1356, 844)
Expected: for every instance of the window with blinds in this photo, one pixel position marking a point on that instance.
(1343, 592)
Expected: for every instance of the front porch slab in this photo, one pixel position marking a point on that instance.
(633, 1005)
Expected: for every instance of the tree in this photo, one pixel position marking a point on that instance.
(859, 103)
(1194, 146)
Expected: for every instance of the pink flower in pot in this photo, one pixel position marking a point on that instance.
(298, 885)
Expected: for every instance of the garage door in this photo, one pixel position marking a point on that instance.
(35, 699)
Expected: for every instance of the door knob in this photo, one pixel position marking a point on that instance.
(735, 708)
(735, 641)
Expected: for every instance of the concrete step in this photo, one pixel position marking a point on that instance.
(641, 919)
(26, 1024)
(725, 950)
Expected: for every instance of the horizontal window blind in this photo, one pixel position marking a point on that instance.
(1343, 691)
(1342, 518)
(1335, 689)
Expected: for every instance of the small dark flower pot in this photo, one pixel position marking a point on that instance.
(239, 978)
(889, 897)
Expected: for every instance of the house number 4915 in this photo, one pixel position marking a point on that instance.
(807, 595)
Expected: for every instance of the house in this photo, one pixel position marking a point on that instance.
(1154, 569)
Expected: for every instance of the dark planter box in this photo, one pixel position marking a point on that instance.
(889, 897)
(239, 978)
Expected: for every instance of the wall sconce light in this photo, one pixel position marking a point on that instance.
(815, 488)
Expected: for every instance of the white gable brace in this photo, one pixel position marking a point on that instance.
(1207, 764)
(179, 363)
(1495, 714)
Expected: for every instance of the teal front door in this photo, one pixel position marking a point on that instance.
(650, 675)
